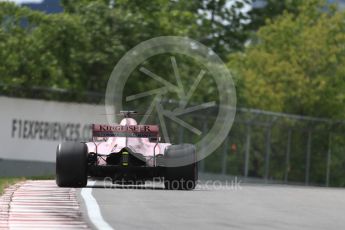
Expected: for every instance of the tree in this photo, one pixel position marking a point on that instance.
(77, 49)
(218, 24)
(24, 59)
(222, 25)
(269, 10)
(297, 63)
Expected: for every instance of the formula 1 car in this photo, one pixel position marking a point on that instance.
(126, 153)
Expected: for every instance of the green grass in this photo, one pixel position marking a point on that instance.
(7, 181)
(46, 177)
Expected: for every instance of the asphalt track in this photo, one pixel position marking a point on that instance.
(247, 206)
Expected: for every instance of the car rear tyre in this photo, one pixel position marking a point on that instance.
(71, 164)
(180, 177)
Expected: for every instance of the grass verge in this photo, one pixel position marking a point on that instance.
(7, 181)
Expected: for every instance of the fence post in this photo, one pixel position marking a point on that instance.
(247, 153)
(329, 155)
(225, 155)
(268, 152)
(287, 162)
(181, 135)
(307, 168)
(204, 130)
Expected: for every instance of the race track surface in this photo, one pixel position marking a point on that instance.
(217, 207)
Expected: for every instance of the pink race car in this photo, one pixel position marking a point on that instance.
(129, 154)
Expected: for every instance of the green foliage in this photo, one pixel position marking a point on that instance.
(270, 10)
(218, 24)
(37, 49)
(8, 181)
(222, 25)
(296, 64)
(77, 50)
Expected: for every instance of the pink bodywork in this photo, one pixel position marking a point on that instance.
(107, 145)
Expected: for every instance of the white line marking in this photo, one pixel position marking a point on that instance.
(93, 209)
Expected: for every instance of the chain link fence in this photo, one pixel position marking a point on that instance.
(282, 148)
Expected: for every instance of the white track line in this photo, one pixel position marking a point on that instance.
(93, 209)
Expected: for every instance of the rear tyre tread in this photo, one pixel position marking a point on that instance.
(71, 165)
(182, 177)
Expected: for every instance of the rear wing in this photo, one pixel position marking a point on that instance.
(148, 131)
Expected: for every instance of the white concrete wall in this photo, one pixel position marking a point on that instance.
(32, 129)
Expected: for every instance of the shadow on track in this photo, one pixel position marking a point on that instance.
(142, 187)
(117, 186)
